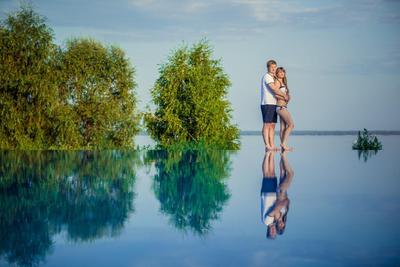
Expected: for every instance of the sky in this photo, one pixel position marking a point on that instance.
(342, 57)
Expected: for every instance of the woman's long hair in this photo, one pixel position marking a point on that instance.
(279, 230)
(284, 78)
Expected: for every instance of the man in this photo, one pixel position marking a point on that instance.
(269, 194)
(269, 92)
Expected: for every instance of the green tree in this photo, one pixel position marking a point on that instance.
(81, 96)
(28, 87)
(97, 97)
(190, 98)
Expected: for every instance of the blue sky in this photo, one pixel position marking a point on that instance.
(342, 57)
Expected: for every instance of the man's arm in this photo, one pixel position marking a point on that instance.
(275, 89)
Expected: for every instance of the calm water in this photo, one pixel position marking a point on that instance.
(118, 208)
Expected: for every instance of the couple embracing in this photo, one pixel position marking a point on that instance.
(274, 100)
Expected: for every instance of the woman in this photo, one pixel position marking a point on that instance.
(286, 122)
(278, 213)
(286, 176)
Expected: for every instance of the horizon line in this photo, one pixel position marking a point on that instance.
(315, 132)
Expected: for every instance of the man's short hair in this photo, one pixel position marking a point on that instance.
(271, 62)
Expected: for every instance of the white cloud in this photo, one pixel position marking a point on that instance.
(262, 10)
(271, 11)
(194, 6)
(279, 11)
(166, 8)
(143, 3)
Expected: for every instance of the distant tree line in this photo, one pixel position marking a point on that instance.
(83, 95)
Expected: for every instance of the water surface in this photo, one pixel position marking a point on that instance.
(122, 208)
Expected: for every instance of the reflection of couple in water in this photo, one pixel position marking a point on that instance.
(274, 199)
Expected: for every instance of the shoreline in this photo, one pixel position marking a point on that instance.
(313, 132)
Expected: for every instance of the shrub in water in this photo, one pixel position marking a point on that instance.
(366, 141)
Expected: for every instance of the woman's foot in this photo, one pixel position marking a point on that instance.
(274, 148)
(286, 148)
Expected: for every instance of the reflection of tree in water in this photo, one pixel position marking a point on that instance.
(190, 186)
(366, 154)
(88, 194)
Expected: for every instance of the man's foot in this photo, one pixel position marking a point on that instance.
(268, 148)
(286, 148)
(274, 148)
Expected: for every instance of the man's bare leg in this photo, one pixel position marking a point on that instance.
(271, 164)
(265, 134)
(271, 136)
(268, 165)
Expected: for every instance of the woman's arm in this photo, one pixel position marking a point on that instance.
(275, 89)
(280, 97)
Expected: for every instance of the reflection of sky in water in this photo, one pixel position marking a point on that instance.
(343, 211)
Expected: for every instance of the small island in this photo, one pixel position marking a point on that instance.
(366, 141)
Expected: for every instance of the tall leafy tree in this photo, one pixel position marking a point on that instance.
(28, 88)
(190, 98)
(80, 96)
(97, 93)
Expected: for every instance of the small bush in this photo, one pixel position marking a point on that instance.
(191, 102)
(366, 141)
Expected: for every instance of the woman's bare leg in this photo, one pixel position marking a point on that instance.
(281, 129)
(285, 116)
(281, 168)
(288, 171)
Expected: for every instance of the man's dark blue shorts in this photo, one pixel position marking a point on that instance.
(269, 113)
(269, 184)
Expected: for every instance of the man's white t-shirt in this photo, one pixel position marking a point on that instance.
(267, 204)
(267, 95)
